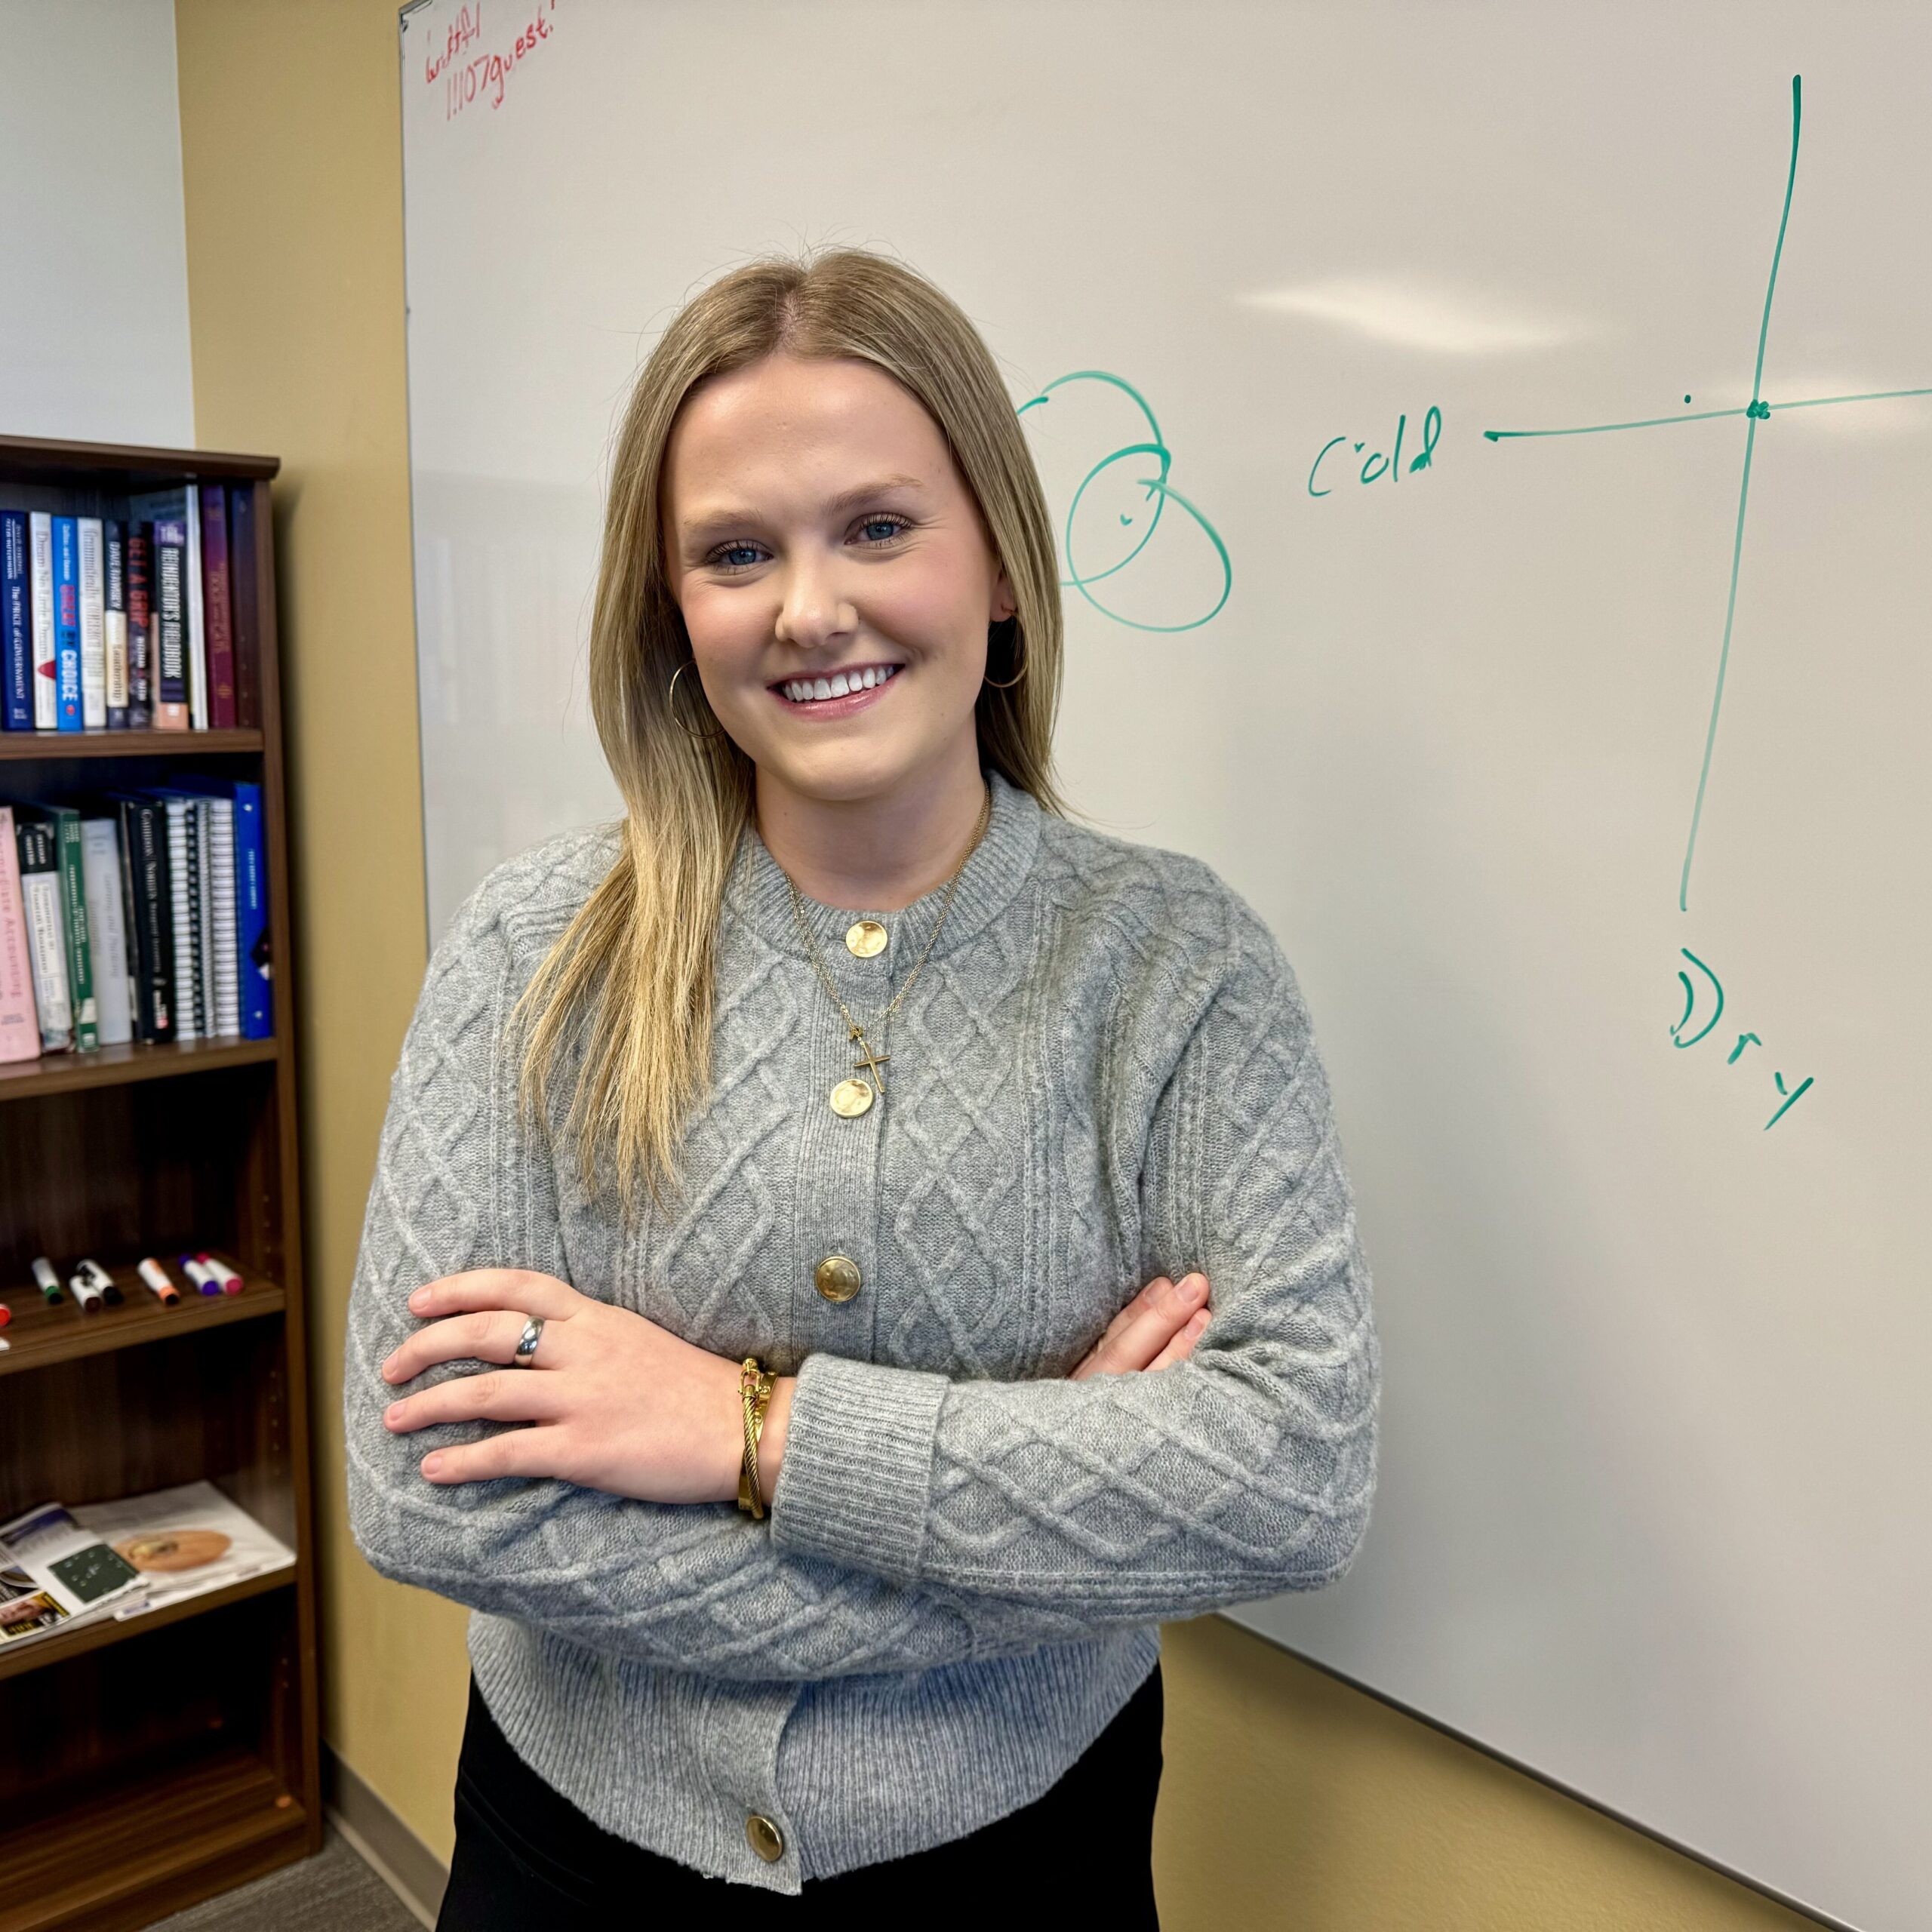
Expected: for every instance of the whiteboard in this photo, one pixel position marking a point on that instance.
(95, 321)
(1657, 1468)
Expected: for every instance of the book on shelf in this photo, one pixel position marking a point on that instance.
(65, 824)
(67, 622)
(140, 916)
(143, 827)
(39, 862)
(244, 582)
(15, 624)
(142, 616)
(170, 625)
(180, 509)
(92, 573)
(19, 1020)
(116, 620)
(46, 654)
(56, 1574)
(141, 621)
(107, 930)
(217, 606)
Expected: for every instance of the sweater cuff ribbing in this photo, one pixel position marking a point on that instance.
(857, 1474)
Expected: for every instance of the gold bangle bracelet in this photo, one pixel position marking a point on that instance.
(755, 1390)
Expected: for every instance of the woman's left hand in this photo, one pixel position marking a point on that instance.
(615, 1402)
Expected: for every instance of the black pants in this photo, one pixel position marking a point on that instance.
(528, 1860)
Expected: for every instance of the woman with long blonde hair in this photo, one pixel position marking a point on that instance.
(784, 1310)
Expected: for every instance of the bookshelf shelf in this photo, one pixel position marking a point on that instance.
(53, 747)
(42, 1336)
(117, 1067)
(151, 1845)
(161, 1760)
(46, 1652)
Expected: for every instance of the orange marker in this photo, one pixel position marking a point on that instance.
(156, 1275)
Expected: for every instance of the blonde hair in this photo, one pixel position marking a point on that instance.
(629, 982)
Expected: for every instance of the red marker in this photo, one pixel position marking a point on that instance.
(232, 1284)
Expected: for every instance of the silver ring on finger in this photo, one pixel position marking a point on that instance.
(526, 1348)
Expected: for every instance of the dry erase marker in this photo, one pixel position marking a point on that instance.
(232, 1283)
(98, 1277)
(199, 1275)
(156, 1275)
(6, 1314)
(86, 1293)
(50, 1282)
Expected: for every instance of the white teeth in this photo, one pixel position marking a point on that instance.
(840, 684)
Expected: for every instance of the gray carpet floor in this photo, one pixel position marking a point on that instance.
(333, 1892)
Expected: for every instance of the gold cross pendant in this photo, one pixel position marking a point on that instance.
(872, 1062)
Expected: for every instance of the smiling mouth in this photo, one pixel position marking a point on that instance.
(803, 691)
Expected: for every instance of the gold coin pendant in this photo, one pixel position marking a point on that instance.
(851, 1098)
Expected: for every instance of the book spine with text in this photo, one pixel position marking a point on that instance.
(140, 626)
(67, 622)
(40, 899)
(198, 637)
(15, 624)
(107, 931)
(88, 542)
(170, 627)
(144, 852)
(115, 535)
(245, 580)
(130, 948)
(66, 824)
(251, 914)
(217, 606)
(19, 1024)
(46, 656)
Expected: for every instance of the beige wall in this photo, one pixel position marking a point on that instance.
(1289, 1799)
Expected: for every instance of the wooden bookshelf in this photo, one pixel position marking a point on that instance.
(154, 1762)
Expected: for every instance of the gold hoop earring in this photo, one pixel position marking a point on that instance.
(994, 684)
(704, 737)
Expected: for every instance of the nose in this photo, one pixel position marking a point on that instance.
(812, 610)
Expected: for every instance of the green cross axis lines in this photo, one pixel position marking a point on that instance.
(1756, 411)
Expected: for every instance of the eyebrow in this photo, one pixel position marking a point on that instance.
(726, 518)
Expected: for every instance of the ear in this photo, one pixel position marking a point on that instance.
(1005, 605)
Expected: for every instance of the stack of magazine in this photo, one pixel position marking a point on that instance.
(60, 1568)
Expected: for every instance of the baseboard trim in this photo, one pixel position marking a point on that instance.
(391, 1850)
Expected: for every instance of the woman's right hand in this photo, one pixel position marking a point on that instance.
(1158, 1327)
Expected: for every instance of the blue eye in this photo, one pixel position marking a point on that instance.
(743, 554)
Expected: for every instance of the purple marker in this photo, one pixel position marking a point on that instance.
(199, 1275)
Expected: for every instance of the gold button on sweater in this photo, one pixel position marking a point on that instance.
(1106, 1072)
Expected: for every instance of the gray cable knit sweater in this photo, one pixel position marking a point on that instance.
(1105, 1073)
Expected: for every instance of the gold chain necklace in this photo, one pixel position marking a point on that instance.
(852, 1097)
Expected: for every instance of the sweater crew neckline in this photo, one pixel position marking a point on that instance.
(757, 892)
